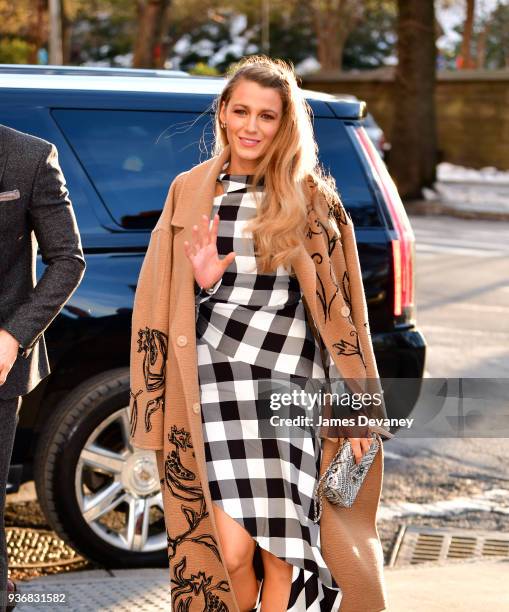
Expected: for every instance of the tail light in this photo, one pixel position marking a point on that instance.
(403, 246)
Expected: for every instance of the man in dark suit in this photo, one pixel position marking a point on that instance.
(34, 208)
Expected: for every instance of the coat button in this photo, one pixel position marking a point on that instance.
(196, 407)
(182, 340)
(345, 311)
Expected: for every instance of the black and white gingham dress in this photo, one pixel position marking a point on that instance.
(253, 326)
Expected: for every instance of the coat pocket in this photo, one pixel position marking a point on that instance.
(7, 196)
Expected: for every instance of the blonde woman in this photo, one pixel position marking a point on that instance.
(239, 508)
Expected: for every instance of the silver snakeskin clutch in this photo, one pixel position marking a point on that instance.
(342, 480)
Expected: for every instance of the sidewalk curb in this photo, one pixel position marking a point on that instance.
(449, 563)
(456, 585)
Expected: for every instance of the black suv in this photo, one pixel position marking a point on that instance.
(122, 136)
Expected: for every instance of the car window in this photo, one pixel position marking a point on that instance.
(35, 121)
(339, 157)
(132, 156)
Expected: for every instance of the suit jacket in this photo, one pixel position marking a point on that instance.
(34, 209)
(165, 396)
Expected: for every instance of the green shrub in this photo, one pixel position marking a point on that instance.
(15, 51)
(203, 69)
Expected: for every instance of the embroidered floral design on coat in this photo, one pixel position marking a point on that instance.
(133, 417)
(338, 213)
(196, 584)
(177, 479)
(153, 406)
(331, 240)
(345, 284)
(177, 476)
(343, 347)
(154, 343)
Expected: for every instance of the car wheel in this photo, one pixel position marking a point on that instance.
(101, 495)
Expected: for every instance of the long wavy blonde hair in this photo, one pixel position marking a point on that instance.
(291, 160)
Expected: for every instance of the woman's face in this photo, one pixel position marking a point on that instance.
(252, 116)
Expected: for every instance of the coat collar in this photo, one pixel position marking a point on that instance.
(198, 187)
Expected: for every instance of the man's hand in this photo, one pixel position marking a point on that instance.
(8, 354)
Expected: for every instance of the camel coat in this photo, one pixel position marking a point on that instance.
(165, 397)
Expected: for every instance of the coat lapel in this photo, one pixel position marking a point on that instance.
(196, 199)
(198, 192)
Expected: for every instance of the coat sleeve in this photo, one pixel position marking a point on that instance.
(352, 288)
(54, 224)
(202, 295)
(149, 335)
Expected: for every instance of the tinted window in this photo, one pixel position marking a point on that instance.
(339, 157)
(132, 156)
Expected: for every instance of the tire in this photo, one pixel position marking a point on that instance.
(90, 481)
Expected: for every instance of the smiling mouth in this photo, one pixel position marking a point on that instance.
(250, 142)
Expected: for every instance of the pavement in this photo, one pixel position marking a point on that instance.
(459, 586)
(465, 586)
(140, 590)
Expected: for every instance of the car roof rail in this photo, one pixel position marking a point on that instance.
(348, 107)
(89, 70)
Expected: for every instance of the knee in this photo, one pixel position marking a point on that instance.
(238, 558)
(271, 562)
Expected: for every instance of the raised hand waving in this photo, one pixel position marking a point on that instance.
(202, 253)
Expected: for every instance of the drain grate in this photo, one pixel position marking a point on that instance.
(495, 548)
(424, 544)
(38, 548)
(462, 547)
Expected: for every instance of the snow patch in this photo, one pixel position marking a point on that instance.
(308, 65)
(494, 500)
(464, 188)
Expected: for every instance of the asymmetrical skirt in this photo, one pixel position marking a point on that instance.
(265, 484)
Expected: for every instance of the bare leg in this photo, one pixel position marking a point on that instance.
(277, 583)
(238, 547)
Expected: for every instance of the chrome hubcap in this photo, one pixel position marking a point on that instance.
(118, 490)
